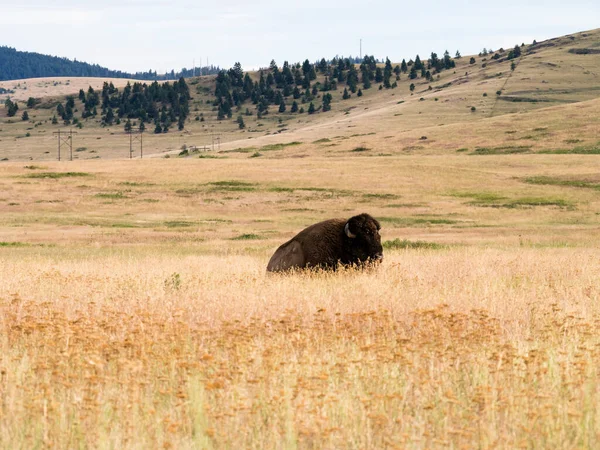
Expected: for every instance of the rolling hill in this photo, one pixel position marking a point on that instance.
(544, 102)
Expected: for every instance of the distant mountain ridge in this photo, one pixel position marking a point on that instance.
(16, 65)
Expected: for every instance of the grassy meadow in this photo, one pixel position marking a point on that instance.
(135, 310)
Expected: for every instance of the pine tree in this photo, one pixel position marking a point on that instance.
(412, 87)
(346, 96)
(418, 64)
(327, 102)
(311, 108)
(282, 106)
(128, 126)
(359, 93)
(240, 122)
(294, 107)
(25, 116)
(413, 73)
(403, 66)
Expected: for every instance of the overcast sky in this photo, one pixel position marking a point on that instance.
(137, 35)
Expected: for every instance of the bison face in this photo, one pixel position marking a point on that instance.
(364, 242)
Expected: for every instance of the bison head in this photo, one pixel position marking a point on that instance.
(364, 242)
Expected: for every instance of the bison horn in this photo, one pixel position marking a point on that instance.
(348, 232)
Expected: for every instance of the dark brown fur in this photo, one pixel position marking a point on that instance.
(326, 244)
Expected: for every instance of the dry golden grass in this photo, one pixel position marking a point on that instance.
(136, 311)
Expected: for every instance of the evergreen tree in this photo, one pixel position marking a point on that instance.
(378, 75)
(142, 127)
(359, 93)
(387, 73)
(412, 87)
(327, 102)
(413, 73)
(128, 126)
(31, 102)
(418, 64)
(457, 55)
(294, 107)
(346, 96)
(158, 128)
(403, 66)
(25, 116)
(109, 117)
(311, 108)
(282, 106)
(240, 122)
(472, 60)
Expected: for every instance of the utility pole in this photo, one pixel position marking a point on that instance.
(67, 138)
(136, 136)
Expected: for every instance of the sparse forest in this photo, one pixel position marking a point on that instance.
(161, 104)
(299, 82)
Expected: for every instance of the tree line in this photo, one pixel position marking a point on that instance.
(15, 65)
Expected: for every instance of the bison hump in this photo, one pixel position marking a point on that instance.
(288, 256)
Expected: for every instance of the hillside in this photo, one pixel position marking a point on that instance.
(16, 65)
(480, 104)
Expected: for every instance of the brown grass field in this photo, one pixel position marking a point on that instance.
(135, 311)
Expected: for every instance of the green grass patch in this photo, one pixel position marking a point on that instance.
(461, 150)
(479, 197)
(592, 150)
(34, 167)
(124, 225)
(187, 192)
(504, 150)
(322, 141)
(271, 147)
(360, 149)
(232, 186)
(380, 196)
(280, 189)
(246, 237)
(239, 150)
(206, 156)
(111, 195)
(405, 205)
(416, 221)
(538, 201)
(56, 175)
(136, 184)
(14, 244)
(551, 181)
(178, 224)
(406, 244)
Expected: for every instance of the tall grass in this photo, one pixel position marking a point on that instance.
(459, 348)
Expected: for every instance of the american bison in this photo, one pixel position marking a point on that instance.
(329, 243)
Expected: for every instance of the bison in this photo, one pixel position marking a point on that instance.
(329, 243)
